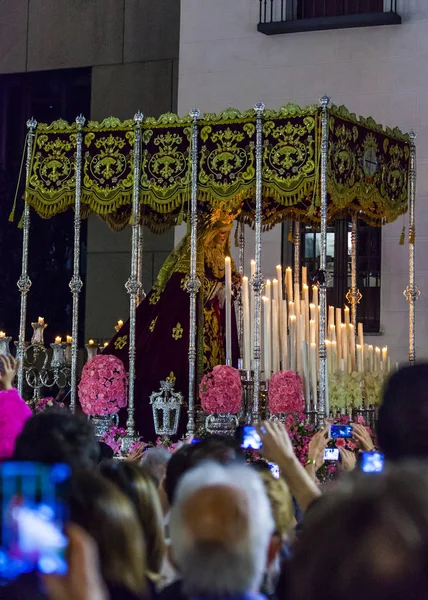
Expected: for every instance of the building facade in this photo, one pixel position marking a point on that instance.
(131, 48)
(377, 71)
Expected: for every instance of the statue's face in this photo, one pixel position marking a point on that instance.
(222, 235)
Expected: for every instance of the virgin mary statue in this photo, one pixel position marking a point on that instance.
(162, 320)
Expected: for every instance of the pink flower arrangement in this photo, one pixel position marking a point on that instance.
(103, 386)
(47, 402)
(285, 393)
(221, 391)
(113, 438)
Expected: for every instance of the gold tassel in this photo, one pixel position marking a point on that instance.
(237, 235)
(21, 221)
(402, 236)
(290, 235)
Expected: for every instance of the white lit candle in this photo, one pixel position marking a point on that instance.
(105, 344)
(351, 330)
(289, 283)
(275, 337)
(306, 374)
(370, 358)
(252, 273)
(330, 316)
(291, 309)
(315, 295)
(347, 315)
(69, 339)
(284, 336)
(360, 358)
(339, 332)
(385, 359)
(268, 289)
(334, 356)
(247, 328)
(293, 342)
(58, 339)
(91, 342)
(312, 331)
(41, 321)
(267, 345)
(377, 360)
(304, 276)
(344, 340)
(313, 310)
(2, 334)
(360, 335)
(332, 333)
(120, 323)
(228, 306)
(313, 369)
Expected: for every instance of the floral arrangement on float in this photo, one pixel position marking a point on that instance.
(220, 392)
(352, 390)
(285, 393)
(114, 435)
(46, 403)
(103, 391)
(103, 386)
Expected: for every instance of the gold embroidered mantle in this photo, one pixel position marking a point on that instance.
(367, 167)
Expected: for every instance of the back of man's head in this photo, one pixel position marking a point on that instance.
(56, 435)
(374, 530)
(221, 525)
(402, 428)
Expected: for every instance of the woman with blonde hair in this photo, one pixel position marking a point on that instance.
(138, 485)
(103, 511)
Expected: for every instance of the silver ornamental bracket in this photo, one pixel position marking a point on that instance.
(166, 407)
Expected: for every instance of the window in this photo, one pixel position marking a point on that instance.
(338, 266)
(312, 9)
(46, 96)
(288, 16)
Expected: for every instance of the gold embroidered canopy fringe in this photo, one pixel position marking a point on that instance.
(368, 167)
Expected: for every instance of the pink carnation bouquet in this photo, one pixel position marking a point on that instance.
(285, 393)
(103, 386)
(221, 391)
(48, 402)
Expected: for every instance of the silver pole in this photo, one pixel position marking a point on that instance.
(323, 409)
(24, 282)
(76, 283)
(412, 292)
(241, 239)
(355, 292)
(140, 259)
(133, 285)
(193, 283)
(258, 281)
(296, 241)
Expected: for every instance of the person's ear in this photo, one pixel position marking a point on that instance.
(274, 548)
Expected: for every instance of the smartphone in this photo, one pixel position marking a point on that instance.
(248, 438)
(33, 518)
(372, 462)
(274, 469)
(331, 454)
(340, 431)
(195, 441)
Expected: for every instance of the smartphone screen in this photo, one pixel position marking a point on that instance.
(372, 462)
(331, 454)
(250, 439)
(340, 431)
(34, 514)
(274, 469)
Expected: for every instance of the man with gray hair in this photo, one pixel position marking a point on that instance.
(221, 527)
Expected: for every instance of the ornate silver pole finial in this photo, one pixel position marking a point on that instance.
(193, 284)
(24, 282)
(133, 285)
(323, 406)
(76, 283)
(412, 292)
(258, 280)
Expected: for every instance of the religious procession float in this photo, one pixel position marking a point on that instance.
(215, 343)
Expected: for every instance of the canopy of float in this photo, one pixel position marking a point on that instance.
(368, 167)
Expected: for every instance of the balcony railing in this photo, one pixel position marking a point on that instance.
(288, 16)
